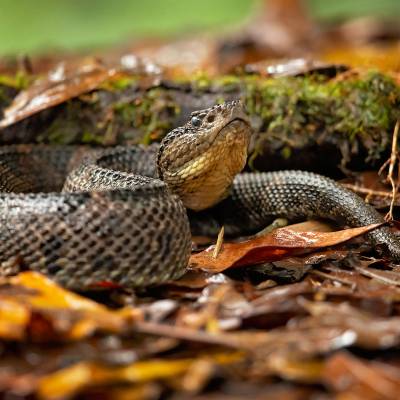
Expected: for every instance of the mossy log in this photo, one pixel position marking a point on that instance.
(310, 122)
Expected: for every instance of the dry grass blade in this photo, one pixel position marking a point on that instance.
(390, 178)
(387, 277)
(220, 241)
(367, 191)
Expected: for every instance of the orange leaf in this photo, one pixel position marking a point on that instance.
(33, 305)
(271, 247)
(70, 380)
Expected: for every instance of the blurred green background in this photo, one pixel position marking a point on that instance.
(39, 25)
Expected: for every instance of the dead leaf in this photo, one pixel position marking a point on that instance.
(39, 309)
(71, 380)
(64, 83)
(360, 378)
(294, 67)
(368, 331)
(271, 247)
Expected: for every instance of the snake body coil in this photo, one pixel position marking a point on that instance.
(86, 217)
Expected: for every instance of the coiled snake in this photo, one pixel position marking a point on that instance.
(120, 215)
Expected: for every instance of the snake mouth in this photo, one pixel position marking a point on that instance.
(237, 119)
(239, 125)
(229, 125)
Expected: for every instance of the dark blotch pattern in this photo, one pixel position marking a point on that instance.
(256, 199)
(99, 228)
(85, 216)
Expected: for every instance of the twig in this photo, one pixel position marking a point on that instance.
(184, 333)
(275, 224)
(352, 285)
(379, 275)
(368, 192)
(390, 178)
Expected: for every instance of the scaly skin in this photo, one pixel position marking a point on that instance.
(117, 227)
(257, 199)
(116, 222)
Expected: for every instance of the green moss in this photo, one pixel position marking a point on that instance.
(286, 152)
(91, 138)
(63, 130)
(297, 111)
(201, 82)
(152, 114)
(9, 86)
(18, 81)
(119, 84)
(354, 112)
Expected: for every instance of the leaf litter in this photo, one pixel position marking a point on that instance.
(308, 314)
(210, 331)
(278, 244)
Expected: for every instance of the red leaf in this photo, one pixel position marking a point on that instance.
(271, 247)
(105, 285)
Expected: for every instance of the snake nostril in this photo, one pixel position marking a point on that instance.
(211, 118)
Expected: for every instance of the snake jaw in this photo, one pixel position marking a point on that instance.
(199, 164)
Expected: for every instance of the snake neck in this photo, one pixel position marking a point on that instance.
(199, 161)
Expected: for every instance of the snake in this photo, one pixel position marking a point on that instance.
(126, 215)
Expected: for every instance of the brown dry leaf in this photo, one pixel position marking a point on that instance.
(291, 369)
(372, 187)
(367, 330)
(293, 67)
(59, 86)
(293, 342)
(372, 295)
(184, 56)
(71, 380)
(196, 280)
(271, 247)
(391, 278)
(361, 379)
(31, 305)
(385, 58)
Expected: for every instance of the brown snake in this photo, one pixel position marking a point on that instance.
(85, 217)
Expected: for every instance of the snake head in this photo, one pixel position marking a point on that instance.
(199, 160)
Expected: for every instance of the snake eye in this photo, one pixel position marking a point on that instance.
(196, 121)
